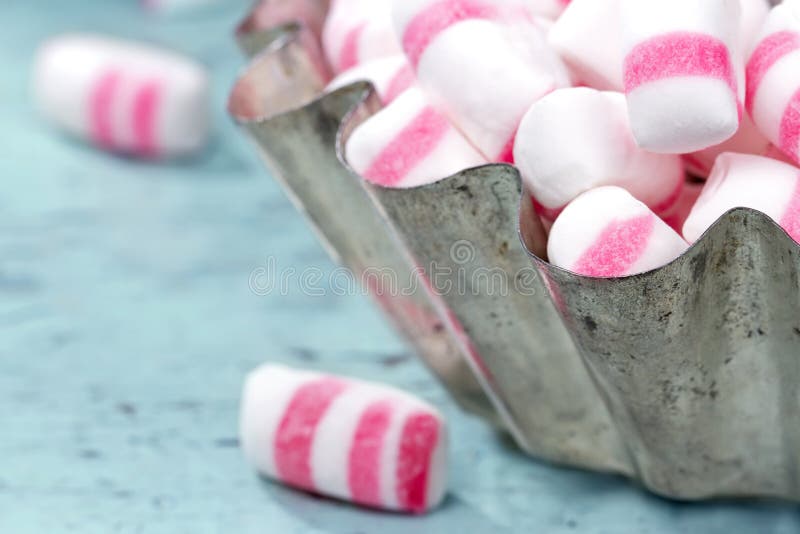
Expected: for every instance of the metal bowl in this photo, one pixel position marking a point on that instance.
(686, 378)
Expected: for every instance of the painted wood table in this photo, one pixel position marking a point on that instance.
(135, 296)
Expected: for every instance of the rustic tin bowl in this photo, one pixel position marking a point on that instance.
(686, 378)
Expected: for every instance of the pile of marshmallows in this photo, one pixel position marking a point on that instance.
(605, 106)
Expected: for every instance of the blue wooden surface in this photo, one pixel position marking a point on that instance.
(127, 323)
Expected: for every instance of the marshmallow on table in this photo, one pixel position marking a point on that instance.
(743, 181)
(409, 143)
(588, 38)
(607, 233)
(579, 138)
(682, 72)
(356, 31)
(747, 140)
(366, 443)
(482, 62)
(124, 97)
(390, 75)
(773, 79)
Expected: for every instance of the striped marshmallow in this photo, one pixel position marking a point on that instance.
(747, 140)
(744, 181)
(682, 72)
(754, 13)
(773, 79)
(588, 37)
(607, 233)
(579, 138)
(369, 444)
(409, 143)
(482, 62)
(390, 75)
(124, 97)
(356, 31)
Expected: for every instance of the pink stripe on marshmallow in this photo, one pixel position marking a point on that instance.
(144, 118)
(349, 54)
(418, 441)
(768, 52)
(436, 18)
(414, 142)
(402, 80)
(295, 435)
(789, 140)
(617, 248)
(791, 217)
(364, 464)
(101, 107)
(679, 54)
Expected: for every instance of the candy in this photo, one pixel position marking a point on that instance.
(754, 13)
(483, 63)
(744, 181)
(677, 215)
(390, 75)
(588, 38)
(356, 31)
(370, 444)
(682, 72)
(773, 79)
(576, 139)
(545, 8)
(409, 143)
(606, 232)
(124, 97)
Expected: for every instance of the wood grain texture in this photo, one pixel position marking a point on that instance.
(127, 324)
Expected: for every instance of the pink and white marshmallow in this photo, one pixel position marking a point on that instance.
(744, 181)
(482, 62)
(409, 143)
(682, 72)
(579, 138)
(773, 79)
(124, 97)
(588, 37)
(366, 443)
(607, 233)
(754, 13)
(390, 76)
(748, 139)
(356, 31)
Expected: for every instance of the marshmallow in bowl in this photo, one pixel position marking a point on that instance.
(356, 31)
(409, 143)
(605, 233)
(390, 76)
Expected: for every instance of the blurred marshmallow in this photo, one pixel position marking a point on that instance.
(390, 75)
(125, 97)
(773, 79)
(588, 36)
(366, 443)
(356, 31)
(744, 181)
(482, 62)
(579, 138)
(606, 232)
(409, 143)
(682, 72)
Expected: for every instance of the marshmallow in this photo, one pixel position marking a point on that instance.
(754, 13)
(773, 79)
(743, 181)
(390, 75)
(606, 232)
(676, 217)
(356, 31)
(409, 143)
(579, 138)
(747, 140)
(551, 9)
(366, 443)
(483, 63)
(682, 72)
(588, 37)
(124, 97)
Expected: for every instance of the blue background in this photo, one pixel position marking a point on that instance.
(128, 322)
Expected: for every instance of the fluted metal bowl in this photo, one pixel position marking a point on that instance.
(686, 378)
